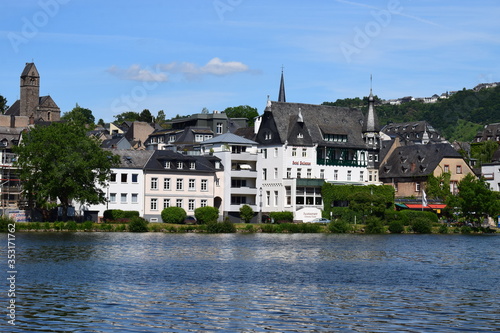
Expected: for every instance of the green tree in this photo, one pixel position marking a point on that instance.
(206, 214)
(475, 199)
(484, 151)
(366, 203)
(138, 224)
(101, 122)
(79, 115)
(246, 213)
(60, 161)
(126, 116)
(146, 116)
(438, 187)
(242, 111)
(173, 215)
(3, 104)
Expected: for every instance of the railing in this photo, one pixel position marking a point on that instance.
(353, 163)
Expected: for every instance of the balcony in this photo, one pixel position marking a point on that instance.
(333, 162)
(244, 190)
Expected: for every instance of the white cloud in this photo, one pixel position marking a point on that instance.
(136, 73)
(214, 67)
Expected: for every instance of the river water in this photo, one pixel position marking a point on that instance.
(157, 282)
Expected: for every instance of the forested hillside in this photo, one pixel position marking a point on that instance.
(457, 118)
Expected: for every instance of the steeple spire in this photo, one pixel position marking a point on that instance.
(371, 122)
(281, 97)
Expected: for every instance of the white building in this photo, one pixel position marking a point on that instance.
(239, 157)
(491, 173)
(125, 189)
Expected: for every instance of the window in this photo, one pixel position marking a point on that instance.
(289, 173)
(459, 169)
(192, 185)
(154, 183)
(417, 187)
(299, 173)
(203, 203)
(192, 165)
(335, 174)
(166, 184)
(300, 135)
(112, 197)
(166, 203)
(135, 198)
(123, 198)
(135, 178)
(204, 184)
(396, 187)
(236, 183)
(112, 178)
(268, 198)
(198, 137)
(178, 203)
(179, 184)
(124, 177)
(275, 173)
(220, 128)
(264, 153)
(294, 151)
(171, 138)
(167, 165)
(349, 174)
(264, 174)
(446, 168)
(276, 199)
(217, 164)
(288, 191)
(304, 152)
(276, 152)
(191, 205)
(154, 204)
(179, 165)
(268, 135)
(309, 173)
(322, 173)
(238, 200)
(361, 176)
(370, 176)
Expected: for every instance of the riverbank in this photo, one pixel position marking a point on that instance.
(88, 226)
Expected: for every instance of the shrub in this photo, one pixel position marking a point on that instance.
(106, 227)
(443, 229)
(246, 213)
(220, 227)
(422, 225)
(173, 215)
(412, 215)
(206, 214)
(46, 226)
(374, 225)
(282, 216)
(4, 223)
(465, 229)
(396, 227)
(339, 227)
(138, 224)
(393, 215)
(88, 225)
(71, 225)
(118, 214)
(249, 228)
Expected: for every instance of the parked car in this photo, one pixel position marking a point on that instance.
(320, 220)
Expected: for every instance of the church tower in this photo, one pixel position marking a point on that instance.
(281, 96)
(30, 90)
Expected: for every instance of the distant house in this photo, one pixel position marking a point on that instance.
(419, 132)
(408, 167)
(117, 142)
(490, 132)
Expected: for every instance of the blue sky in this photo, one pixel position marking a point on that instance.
(182, 56)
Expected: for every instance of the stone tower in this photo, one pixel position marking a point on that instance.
(30, 90)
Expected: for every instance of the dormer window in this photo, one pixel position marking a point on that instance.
(179, 165)
(300, 136)
(167, 165)
(268, 135)
(192, 165)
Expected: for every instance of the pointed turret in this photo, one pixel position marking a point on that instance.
(281, 96)
(371, 121)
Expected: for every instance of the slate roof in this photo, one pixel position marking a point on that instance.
(133, 159)
(10, 135)
(412, 131)
(490, 132)
(203, 164)
(43, 101)
(229, 138)
(319, 120)
(416, 160)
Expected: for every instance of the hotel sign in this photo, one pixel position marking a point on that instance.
(301, 163)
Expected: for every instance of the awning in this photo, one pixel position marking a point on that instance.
(400, 205)
(419, 206)
(415, 206)
(437, 206)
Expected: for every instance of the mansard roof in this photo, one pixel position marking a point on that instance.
(416, 160)
(132, 159)
(203, 164)
(318, 120)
